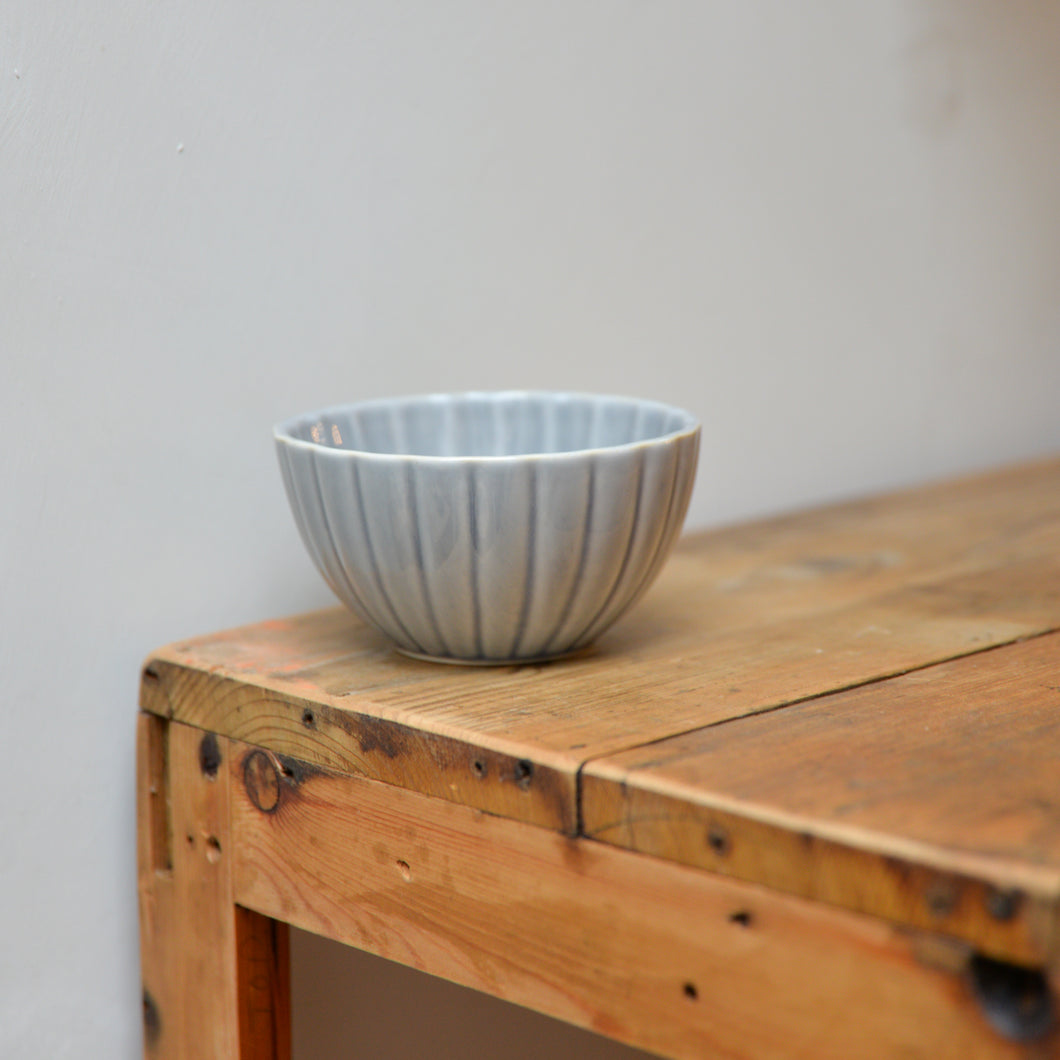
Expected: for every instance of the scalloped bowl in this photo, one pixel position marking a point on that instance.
(490, 528)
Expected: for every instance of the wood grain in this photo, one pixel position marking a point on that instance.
(187, 931)
(501, 775)
(671, 959)
(263, 958)
(189, 934)
(930, 799)
(742, 620)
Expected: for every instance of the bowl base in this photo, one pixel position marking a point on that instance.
(535, 660)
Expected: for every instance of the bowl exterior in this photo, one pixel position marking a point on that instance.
(480, 560)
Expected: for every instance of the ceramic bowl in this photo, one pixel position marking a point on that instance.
(490, 528)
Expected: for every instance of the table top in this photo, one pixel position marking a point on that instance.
(857, 704)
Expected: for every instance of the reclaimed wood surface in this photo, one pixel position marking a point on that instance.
(263, 985)
(671, 959)
(215, 977)
(742, 620)
(931, 799)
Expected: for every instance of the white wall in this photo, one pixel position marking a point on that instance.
(831, 229)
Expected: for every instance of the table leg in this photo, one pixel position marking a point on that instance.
(215, 976)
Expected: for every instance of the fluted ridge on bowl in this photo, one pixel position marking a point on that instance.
(491, 557)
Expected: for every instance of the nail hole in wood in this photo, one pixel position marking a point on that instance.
(941, 898)
(309, 719)
(209, 756)
(1002, 905)
(478, 767)
(743, 917)
(152, 676)
(406, 872)
(691, 992)
(524, 771)
(718, 840)
(191, 839)
(213, 850)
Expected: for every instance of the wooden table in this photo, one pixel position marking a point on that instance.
(804, 801)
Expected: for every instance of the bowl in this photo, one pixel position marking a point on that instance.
(490, 527)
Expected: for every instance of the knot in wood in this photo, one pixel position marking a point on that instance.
(261, 778)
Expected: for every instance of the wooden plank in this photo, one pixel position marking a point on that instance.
(189, 936)
(263, 958)
(670, 959)
(499, 775)
(741, 621)
(929, 798)
(186, 930)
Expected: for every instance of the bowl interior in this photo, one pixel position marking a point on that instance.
(489, 425)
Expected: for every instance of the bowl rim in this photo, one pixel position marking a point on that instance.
(282, 430)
